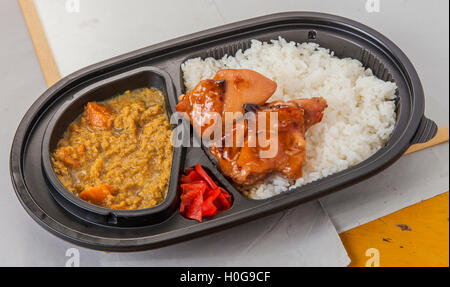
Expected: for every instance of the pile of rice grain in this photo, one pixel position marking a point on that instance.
(358, 121)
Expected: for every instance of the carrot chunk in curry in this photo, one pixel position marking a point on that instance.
(68, 155)
(99, 116)
(97, 194)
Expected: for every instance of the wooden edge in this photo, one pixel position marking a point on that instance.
(40, 42)
(441, 137)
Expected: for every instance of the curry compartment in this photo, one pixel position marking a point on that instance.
(70, 111)
(159, 66)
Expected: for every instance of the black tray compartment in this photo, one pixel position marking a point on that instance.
(72, 108)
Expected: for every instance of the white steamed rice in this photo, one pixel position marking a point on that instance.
(358, 121)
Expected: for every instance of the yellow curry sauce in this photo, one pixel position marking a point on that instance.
(118, 153)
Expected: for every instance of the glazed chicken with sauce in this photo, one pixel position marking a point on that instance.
(228, 91)
(240, 90)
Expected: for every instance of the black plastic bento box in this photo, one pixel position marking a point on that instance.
(158, 66)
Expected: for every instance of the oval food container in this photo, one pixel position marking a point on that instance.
(72, 219)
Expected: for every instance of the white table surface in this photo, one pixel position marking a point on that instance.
(103, 29)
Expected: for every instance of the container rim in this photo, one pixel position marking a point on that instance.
(171, 46)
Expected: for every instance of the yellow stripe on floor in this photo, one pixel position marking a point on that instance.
(414, 236)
